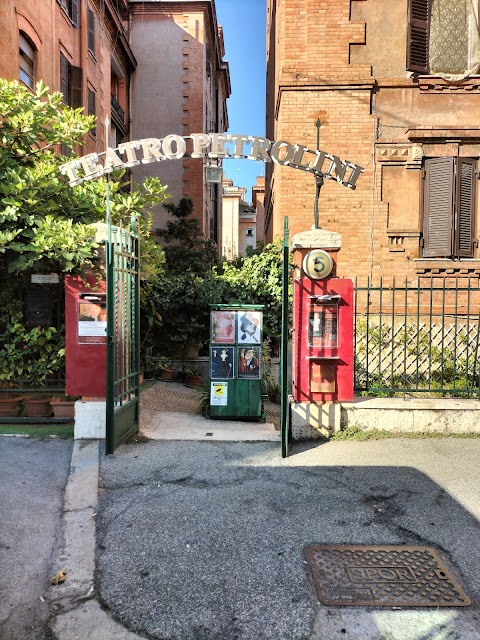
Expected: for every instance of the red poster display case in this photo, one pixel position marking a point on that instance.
(85, 337)
(323, 340)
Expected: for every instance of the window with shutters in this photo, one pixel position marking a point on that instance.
(92, 109)
(26, 60)
(449, 206)
(71, 79)
(91, 31)
(443, 37)
(71, 8)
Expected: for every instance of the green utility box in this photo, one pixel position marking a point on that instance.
(236, 333)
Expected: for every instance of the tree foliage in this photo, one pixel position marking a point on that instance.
(182, 301)
(257, 279)
(46, 224)
(186, 250)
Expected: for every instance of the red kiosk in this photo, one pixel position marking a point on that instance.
(323, 353)
(86, 336)
(86, 348)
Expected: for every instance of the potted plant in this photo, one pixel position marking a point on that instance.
(37, 406)
(167, 371)
(28, 355)
(9, 402)
(146, 365)
(63, 407)
(193, 377)
(44, 356)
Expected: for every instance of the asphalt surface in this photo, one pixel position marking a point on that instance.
(205, 541)
(33, 475)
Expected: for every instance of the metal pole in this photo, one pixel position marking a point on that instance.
(318, 181)
(110, 399)
(284, 403)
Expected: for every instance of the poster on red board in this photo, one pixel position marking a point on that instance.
(92, 321)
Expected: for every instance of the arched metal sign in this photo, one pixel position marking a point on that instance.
(214, 146)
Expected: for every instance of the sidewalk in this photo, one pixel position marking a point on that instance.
(169, 411)
(205, 539)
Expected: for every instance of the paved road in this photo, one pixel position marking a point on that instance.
(204, 541)
(33, 475)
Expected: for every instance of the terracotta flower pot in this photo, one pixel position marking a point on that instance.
(9, 406)
(37, 407)
(193, 381)
(63, 408)
(169, 375)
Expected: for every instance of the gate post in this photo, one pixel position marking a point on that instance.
(85, 348)
(284, 402)
(323, 354)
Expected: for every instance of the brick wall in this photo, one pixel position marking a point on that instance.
(51, 31)
(343, 62)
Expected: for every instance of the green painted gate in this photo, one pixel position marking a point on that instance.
(123, 335)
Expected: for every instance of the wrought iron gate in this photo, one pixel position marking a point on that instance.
(421, 338)
(123, 328)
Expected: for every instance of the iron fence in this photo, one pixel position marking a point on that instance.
(421, 339)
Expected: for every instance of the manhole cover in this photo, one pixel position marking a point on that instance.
(383, 577)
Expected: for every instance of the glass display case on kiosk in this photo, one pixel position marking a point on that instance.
(236, 334)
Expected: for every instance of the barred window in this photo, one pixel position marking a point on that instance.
(443, 37)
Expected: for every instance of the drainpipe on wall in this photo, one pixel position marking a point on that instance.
(130, 20)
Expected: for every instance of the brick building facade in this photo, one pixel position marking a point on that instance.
(78, 48)
(394, 84)
(153, 68)
(180, 87)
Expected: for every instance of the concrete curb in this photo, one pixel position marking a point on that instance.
(76, 615)
(413, 415)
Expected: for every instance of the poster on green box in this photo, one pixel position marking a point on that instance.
(249, 327)
(248, 359)
(223, 327)
(222, 361)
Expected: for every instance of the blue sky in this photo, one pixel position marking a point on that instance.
(243, 23)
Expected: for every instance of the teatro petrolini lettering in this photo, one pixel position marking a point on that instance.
(216, 146)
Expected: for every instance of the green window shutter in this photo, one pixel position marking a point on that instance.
(465, 207)
(438, 207)
(77, 78)
(418, 35)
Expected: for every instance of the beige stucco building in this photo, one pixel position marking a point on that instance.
(242, 222)
(258, 203)
(180, 87)
(396, 88)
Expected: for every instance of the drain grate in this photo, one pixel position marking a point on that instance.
(383, 577)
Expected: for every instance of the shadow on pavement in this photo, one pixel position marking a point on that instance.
(206, 540)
